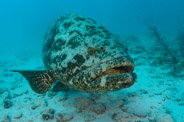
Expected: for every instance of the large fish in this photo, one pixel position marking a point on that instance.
(83, 55)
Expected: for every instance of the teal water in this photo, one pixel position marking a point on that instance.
(24, 23)
(157, 95)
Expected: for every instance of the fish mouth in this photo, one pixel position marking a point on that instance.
(118, 69)
(111, 75)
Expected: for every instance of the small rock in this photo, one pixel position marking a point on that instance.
(2, 90)
(51, 94)
(7, 103)
(89, 118)
(163, 117)
(51, 111)
(34, 107)
(117, 117)
(124, 109)
(118, 103)
(133, 94)
(98, 108)
(6, 95)
(142, 91)
(141, 115)
(6, 118)
(20, 94)
(62, 117)
(181, 104)
(127, 115)
(78, 111)
(123, 117)
(62, 99)
(18, 116)
(95, 97)
(47, 116)
(153, 107)
(39, 102)
(83, 103)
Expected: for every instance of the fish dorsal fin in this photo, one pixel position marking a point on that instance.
(40, 81)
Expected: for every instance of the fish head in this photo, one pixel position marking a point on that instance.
(108, 67)
(87, 56)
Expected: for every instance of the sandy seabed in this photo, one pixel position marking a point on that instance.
(156, 96)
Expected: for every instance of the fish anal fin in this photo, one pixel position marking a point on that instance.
(40, 81)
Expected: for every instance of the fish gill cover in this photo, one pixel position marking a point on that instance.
(77, 56)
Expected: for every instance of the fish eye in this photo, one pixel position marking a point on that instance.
(91, 50)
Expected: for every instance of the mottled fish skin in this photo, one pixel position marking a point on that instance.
(80, 50)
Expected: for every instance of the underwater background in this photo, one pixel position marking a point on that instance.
(153, 32)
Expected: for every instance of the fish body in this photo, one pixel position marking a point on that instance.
(83, 55)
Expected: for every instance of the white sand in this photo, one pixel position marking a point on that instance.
(156, 92)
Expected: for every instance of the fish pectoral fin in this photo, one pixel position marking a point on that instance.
(60, 87)
(40, 81)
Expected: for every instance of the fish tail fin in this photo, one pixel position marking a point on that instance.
(40, 81)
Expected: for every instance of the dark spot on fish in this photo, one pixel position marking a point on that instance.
(112, 47)
(101, 35)
(45, 37)
(73, 42)
(91, 29)
(86, 44)
(58, 45)
(79, 19)
(93, 60)
(119, 43)
(87, 57)
(78, 84)
(64, 69)
(46, 60)
(75, 31)
(92, 20)
(108, 34)
(67, 25)
(61, 18)
(79, 25)
(69, 71)
(63, 57)
(114, 51)
(106, 43)
(71, 66)
(101, 27)
(79, 59)
(58, 59)
(103, 49)
(50, 40)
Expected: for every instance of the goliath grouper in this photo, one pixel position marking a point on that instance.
(83, 55)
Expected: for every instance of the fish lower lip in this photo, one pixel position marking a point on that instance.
(98, 71)
(108, 76)
(117, 69)
(115, 82)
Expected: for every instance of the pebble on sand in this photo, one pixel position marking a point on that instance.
(98, 108)
(63, 117)
(7, 103)
(83, 103)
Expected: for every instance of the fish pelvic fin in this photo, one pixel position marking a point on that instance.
(40, 81)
